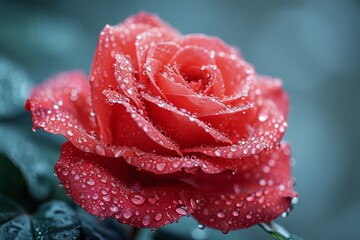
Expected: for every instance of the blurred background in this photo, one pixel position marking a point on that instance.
(313, 46)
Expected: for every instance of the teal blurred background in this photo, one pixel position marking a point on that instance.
(313, 46)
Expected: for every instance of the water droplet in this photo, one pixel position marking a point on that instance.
(100, 150)
(160, 166)
(201, 226)
(65, 172)
(127, 213)
(218, 152)
(137, 199)
(146, 220)
(91, 182)
(70, 133)
(294, 200)
(250, 198)
(263, 117)
(262, 182)
(114, 208)
(158, 216)
(106, 198)
(95, 196)
(249, 216)
(181, 210)
(235, 213)
(103, 180)
(220, 214)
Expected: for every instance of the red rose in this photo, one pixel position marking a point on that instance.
(167, 126)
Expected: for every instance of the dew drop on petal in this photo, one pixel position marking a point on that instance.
(160, 166)
(137, 199)
(181, 210)
(127, 213)
(158, 216)
(100, 150)
(91, 182)
(95, 196)
(218, 152)
(65, 172)
(220, 214)
(235, 213)
(106, 198)
(114, 208)
(146, 220)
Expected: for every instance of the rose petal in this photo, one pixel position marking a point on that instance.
(163, 51)
(148, 40)
(254, 126)
(178, 123)
(131, 128)
(149, 19)
(252, 129)
(108, 187)
(197, 66)
(116, 39)
(259, 192)
(111, 41)
(181, 96)
(165, 165)
(207, 42)
(237, 74)
(125, 77)
(61, 105)
(271, 88)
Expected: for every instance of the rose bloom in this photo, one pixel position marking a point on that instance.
(167, 126)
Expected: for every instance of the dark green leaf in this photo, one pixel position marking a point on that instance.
(34, 158)
(14, 223)
(93, 229)
(12, 181)
(53, 220)
(14, 88)
(18, 228)
(164, 235)
(8, 209)
(56, 220)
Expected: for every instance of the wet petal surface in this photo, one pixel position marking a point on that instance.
(109, 187)
(259, 192)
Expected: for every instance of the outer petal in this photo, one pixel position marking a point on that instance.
(207, 42)
(116, 39)
(259, 127)
(259, 192)
(108, 187)
(61, 105)
(271, 88)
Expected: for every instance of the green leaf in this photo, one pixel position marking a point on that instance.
(94, 229)
(34, 157)
(14, 88)
(56, 220)
(53, 220)
(8, 209)
(14, 224)
(11, 179)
